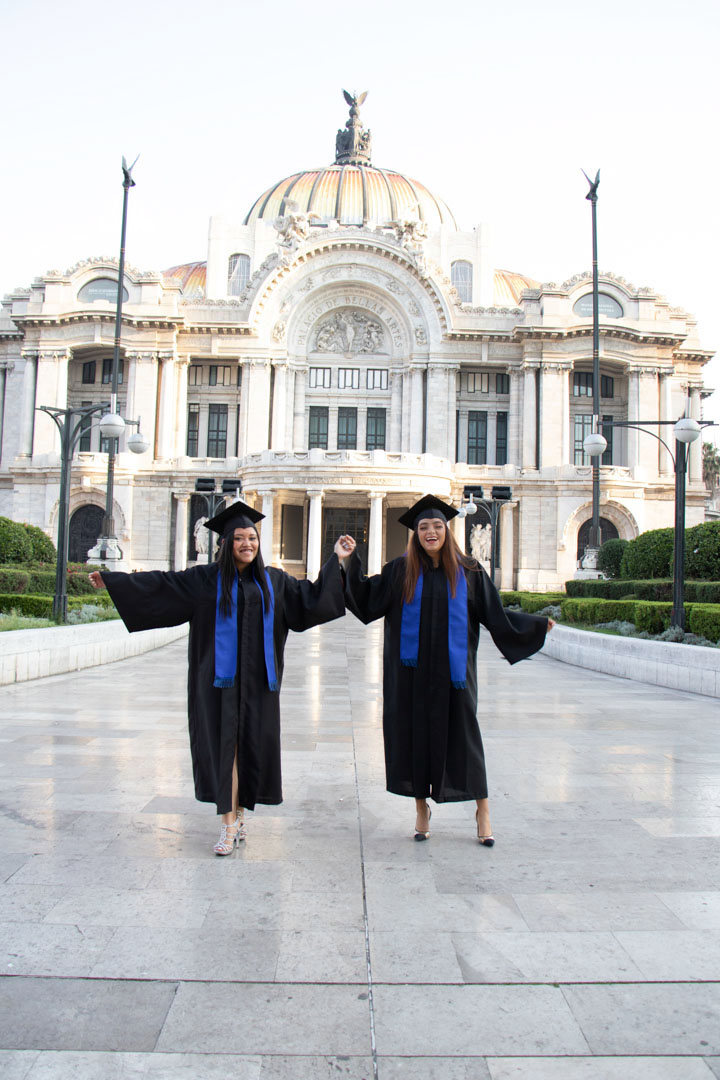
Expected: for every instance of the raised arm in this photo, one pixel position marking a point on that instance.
(369, 598)
(157, 598)
(310, 603)
(516, 634)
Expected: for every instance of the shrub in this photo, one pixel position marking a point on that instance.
(653, 617)
(41, 606)
(705, 620)
(649, 555)
(79, 583)
(15, 545)
(610, 557)
(42, 583)
(14, 581)
(43, 549)
(702, 551)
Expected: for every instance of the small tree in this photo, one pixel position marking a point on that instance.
(610, 557)
(15, 544)
(43, 549)
(711, 465)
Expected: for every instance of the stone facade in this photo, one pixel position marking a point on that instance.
(340, 378)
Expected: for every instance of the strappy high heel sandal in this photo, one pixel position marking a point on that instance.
(424, 835)
(486, 841)
(230, 835)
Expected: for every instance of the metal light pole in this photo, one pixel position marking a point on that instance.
(595, 528)
(205, 487)
(491, 506)
(114, 425)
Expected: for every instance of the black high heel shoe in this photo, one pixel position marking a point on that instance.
(486, 841)
(424, 835)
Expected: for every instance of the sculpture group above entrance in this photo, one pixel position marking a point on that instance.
(349, 332)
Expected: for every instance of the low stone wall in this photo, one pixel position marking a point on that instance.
(33, 654)
(662, 663)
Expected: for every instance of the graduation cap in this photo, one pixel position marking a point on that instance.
(237, 515)
(427, 507)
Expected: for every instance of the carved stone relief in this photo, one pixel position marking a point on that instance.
(350, 332)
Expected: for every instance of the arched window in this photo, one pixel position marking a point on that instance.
(238, 273)
(608, 531)
(461, 275)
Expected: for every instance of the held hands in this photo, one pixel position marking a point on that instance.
(344, 548)
(551, 623)
(96, 579)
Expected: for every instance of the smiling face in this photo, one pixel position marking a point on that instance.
(431, 534)
(245, 547)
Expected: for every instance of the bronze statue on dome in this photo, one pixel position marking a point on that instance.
(353, 145)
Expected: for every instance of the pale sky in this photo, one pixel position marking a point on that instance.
(495, 107)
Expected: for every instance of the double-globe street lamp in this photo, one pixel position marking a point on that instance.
(686, 430)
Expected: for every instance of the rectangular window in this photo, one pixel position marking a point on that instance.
(347, 429)
(377, 379)
(219, 376)
(318, 427)
(291, 533)
(84, 444)
(107, 371)
(88, 371)
(477, 438)
(607, 386)
(583, 427)
(348, 378)
(239, 376)
(320, 377)
(193, 430)
(582, 384)
(217, 431)
(375, 436)
(501, 438)
(502, 383)
(477, 382)
(607, 458)
(195, 375)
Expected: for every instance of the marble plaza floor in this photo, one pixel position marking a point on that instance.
(585, 944)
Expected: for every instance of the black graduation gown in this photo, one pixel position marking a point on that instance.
(433, 747)
(247, 715)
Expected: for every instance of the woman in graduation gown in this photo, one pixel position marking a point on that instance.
(434, 599)
(240, 613)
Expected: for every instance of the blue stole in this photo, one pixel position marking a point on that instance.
(457, 630)
(226, 639)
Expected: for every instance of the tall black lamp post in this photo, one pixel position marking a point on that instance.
(686, 430)
(214, 500)
(594, 544)
(498, 496)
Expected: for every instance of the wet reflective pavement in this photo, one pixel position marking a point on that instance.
(585, 944)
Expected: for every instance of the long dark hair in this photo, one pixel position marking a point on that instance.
(451, 559)
(228, 572)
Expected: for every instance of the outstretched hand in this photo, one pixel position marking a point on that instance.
(96, 580)
(344, 548)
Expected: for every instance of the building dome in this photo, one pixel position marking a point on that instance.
(353, 191)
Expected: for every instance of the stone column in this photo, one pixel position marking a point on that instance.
(279, 406)
(50, 389)
(648, 408)
(515, 418)
(5, 367)
(416, 409)
(507, 546)
(27, 423)
(633, 415)
(299, 426)
(181, 408)
(437, 396)
(266, 526)
(142, 387)
(666, 413)
(314, 541)
(529, 456)
(181, 529)
(166, 412)
(565, 370)
(258, 410)
(375, 534)
(395, 432)
(289, 406)
(695, 457)
(551, 403)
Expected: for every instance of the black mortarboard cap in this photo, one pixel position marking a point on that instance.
(237, 515)
(426, 507)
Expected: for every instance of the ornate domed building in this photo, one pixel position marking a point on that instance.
(344, 350)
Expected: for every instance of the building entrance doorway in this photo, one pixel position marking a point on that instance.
(338, 521)
(607, 532)
(85, 528)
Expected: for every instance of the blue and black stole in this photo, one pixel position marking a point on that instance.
(457, 630)
(226, 639)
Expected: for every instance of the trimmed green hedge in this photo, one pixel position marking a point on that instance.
(610, 557)
(42, 582)
(530, 602)
(649, 615)
(649, 555)
(705, 621)
(41, 606)
(707, 592)
(702, 551)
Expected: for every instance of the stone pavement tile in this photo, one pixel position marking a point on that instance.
(327, 956)
(669, 1018)
(545, 957)
(410, 957)
(10, 863)
(609, 1068)
(82, 1014)
(698, 911)
(265, 910)
(39, 949)
(458, 1020)
(91, 870)
(681, 826)
(16, 1064)
(216, 877)
(596, 910)
(219, 953)
(99, 1065)
(138, 907)
(262, 1019)
(713, 1063)
(316, 1068)
(27, 903)
(684, 955)
(432, 1068)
